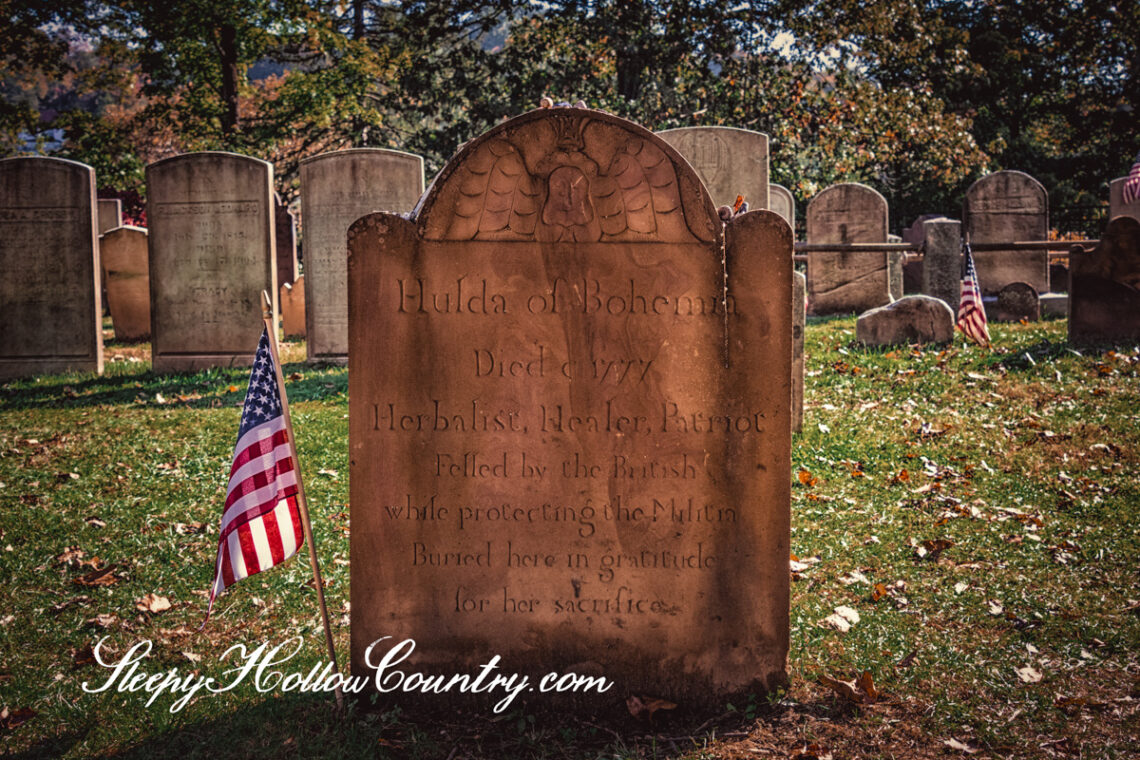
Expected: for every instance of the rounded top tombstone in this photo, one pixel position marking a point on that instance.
(731, 161)
(568, 175)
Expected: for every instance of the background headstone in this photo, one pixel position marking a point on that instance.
(293, 308)
(1008, 207)
(336, 190)
(1104, 286)
(50, 306)
(781, 200)
(729, 161)
(1015, 302)
(1116, 205)
(942, 260)
(110, 214)
(556, 455)
(123, 252)
(913, 319)
(847, 281)
(286, 239)
(210, 221)
(799, 302)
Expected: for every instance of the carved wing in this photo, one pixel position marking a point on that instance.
(639, 196)
(498, 198)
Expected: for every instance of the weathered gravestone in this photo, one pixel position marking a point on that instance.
(210, 217)
(913, 319)
(336, 190)
(942, 260)
(563, 450)
(781, 201)
(293, 308)
(110, 214)
(49, 268)
(285, 236)
(1116, 205)
(123, 252)
(1015, 302)
(729, 161)
(848, 281)
(1007, 207)
(799, 314)
(1104, 286)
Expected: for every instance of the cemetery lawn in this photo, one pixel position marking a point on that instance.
(974, 512)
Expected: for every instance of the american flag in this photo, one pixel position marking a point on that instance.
(1132, 183)
(261, 524)
(971, 312)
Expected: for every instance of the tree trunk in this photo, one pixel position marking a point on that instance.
(358, 19)
(229, 55)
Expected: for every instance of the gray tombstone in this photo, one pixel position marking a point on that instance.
(286, 240)
(50, 306)
(781, 201)
(942, 260)
(848, 281)
(799, 303)
(337, 189)
(126, 269)
(1116, 205)
(1015, 302)
(110, 214)
(1104, 287)
(210, 217)
(728, 160)
(1008, 207)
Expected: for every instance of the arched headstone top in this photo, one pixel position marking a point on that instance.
(334, 154)
(1005, 183)
(568, 175)
(220, 156)
(840, 191)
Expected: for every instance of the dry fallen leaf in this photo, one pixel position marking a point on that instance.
(810, 752)
(84, 656)
(104, 577)
(103, 620)
(1029, 674)
(644, 707)
(70, 555)
(10, 719)
(806, 478)
(878, 592)
(955, 744)
(152, 603)
(842, 619)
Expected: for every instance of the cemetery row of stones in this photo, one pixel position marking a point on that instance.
(218, 238)
(570, 387)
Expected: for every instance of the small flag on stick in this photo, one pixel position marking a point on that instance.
(1132, 184)
(261, 523)
(971, 312)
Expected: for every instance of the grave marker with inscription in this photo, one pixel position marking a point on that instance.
(336, 190)
(848, 281)
(210, 218)
(569, 439)
(110, 214)
(123, 251)
(1007, 207)
(1104, 286)
(49, 268)
(293, 308)
(729, 161)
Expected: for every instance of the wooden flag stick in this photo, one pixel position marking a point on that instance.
(302, 504)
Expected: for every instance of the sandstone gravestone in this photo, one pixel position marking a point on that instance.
(1015, 302)
(799, 312)
(49, 268)
(286, 238)
(781, 201)
(942, 260)
(913, 319)
(729, 161)
(210, 217)
(1104, 286)
(123, 251)
(336, 190)
(293, 308)
(848, 281)
(569, 429)
(1116, 205)
(1006, 207)
(110, 214)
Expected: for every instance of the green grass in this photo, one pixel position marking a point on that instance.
(1023, 458)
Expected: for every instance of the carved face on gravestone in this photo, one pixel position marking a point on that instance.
(568, 199)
